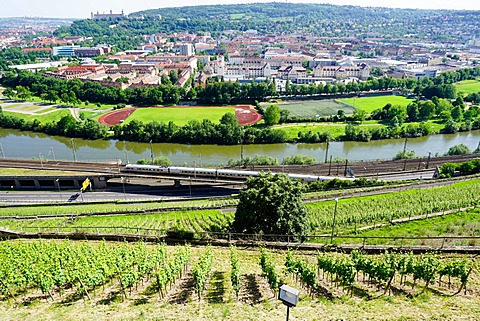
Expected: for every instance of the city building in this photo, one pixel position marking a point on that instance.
(64, 51)
(111, 15)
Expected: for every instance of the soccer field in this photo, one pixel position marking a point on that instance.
(312, 108)
(179, 115)
(369, 104)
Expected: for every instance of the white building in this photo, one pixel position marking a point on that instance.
(64, 51)
(361, 71)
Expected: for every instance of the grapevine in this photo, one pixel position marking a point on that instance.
(235, 275)
(201, 271)
(269, 270)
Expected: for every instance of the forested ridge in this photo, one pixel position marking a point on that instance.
(310, 19)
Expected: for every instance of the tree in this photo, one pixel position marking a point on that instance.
(413, 112)
(162, 161)
(272, 115)
(8, 92)
(457, 113)
(272, 204)
(23, 93)
(460, 149)
(360, 115)
(407, 154)
(397, 114)
(427, 109)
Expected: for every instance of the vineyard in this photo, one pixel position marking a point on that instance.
(353, 216)
(72, 280)
(113, 208)
(363, 211)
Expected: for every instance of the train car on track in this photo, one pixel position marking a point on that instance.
(215, 173)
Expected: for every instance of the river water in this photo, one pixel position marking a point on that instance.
(29, 145)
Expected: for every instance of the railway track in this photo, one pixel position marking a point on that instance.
(91, 167)
(371, 168)
(365, 169)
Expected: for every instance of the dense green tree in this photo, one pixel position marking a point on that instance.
(8, 92)
(360, 115)
(457, 113)
(397, 114)
(272, 204)
(272, 115)
(426, 109)
(460, 149)
(413, 112)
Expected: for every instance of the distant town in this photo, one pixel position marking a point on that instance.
(235, 55)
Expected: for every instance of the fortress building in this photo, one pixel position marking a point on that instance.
(110, 15)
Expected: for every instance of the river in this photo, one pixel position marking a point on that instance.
(28, 145)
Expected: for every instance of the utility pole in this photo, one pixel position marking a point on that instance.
(428, 159)
(53, 153)
(405, 146)
(125, 150)
(151, 151)
(330, 165)
(326, 152)
(72, 141)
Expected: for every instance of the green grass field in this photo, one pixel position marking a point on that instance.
(337, 130)
(312, 108)
(55, 116)
(369, 104)
(456, 224)
(468, 86)
(179, 115)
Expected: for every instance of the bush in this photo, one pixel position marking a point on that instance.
(162, 161)
(159, 161)
(451, 127)
(343, 184)
(256, 160)
(408, 154)
(180, 234)
(460, 149)
(299, 160)
(465, 168)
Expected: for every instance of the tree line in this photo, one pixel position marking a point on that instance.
(219, 92)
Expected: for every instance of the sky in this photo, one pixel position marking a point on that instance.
(82, 9)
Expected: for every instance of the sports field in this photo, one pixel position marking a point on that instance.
(369, 104)
(313, 108)
(468, 86)
(179, 115)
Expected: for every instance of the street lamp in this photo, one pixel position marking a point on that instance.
(59, 190)
(334, 220)
(289, 297)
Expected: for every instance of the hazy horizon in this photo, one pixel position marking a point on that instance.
(58, 8)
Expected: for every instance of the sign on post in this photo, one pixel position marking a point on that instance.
(85, 184)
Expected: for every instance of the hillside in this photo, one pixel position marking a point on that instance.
(303, 19)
